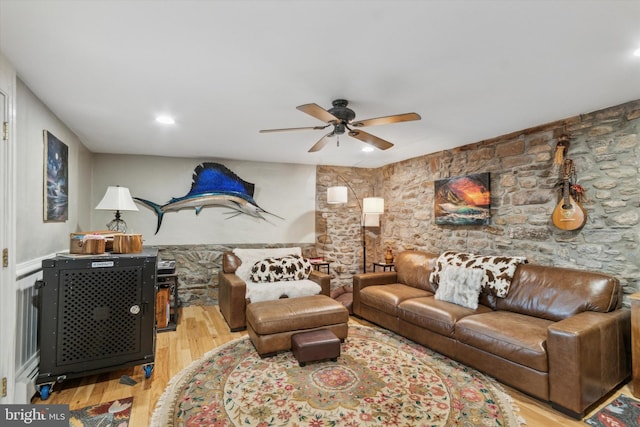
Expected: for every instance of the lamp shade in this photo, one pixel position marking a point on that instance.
(373, 205)
(337, 195)
(371, 220)
(117, 199)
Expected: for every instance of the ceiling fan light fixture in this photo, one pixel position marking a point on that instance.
(166, 120)
(367, 149)
(341, 117)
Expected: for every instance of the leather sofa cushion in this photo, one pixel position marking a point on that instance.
(519, 338)
(556, 293)
(435, 315)
(414, 268)
(386, 298)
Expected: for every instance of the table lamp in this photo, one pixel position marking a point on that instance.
(117, 199)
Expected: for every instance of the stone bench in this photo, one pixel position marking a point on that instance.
(271, 324)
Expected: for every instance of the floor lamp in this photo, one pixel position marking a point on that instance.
(370, 209)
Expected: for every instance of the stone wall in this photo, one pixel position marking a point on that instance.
(525, 188)
(197, 267)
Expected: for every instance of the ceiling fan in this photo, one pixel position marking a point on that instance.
(342, 119)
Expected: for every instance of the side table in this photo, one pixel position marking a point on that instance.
(318, 264)
(386, 266)
(635, 343)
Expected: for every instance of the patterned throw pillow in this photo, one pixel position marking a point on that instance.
(290, 267)
(498, 271)
(267, 270)
(295, 268)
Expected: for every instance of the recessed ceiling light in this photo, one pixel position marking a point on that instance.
(636, 52)
(166, 120)
(367, 149)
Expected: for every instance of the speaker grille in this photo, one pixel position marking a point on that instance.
(96, 317)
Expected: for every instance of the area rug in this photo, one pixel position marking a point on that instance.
(622, 412)
(111, 414)
(379, 379)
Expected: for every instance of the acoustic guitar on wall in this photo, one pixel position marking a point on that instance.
(568, 214)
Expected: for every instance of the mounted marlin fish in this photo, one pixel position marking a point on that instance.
(213, 184)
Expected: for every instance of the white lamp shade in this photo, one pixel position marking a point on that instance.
(373, 205)
(117, 199)
(337, 195)
(371, 220)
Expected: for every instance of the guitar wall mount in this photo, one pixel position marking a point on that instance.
(561, 149)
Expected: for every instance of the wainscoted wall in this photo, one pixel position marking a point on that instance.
(524, 191)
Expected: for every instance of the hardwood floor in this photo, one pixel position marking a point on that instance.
(200, 329)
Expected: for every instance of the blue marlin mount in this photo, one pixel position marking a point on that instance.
(213, 184)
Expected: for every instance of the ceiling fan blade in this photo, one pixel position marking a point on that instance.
(318, 112)
(291, 129)
(407, 117)
(321, 143)
(370, 139)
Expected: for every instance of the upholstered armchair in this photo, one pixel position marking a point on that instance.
(236, 289)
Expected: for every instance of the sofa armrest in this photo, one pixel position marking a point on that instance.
(362, 280)
(322, 279)
(589, 355)
(232, 300)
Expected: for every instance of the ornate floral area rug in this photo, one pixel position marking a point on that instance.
(379, 379)
(110, 414)
(621, 412)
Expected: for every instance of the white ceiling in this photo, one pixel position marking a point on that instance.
(225, 69)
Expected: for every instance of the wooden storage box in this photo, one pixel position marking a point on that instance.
(75, 241)
(162, 307)
(127, 243)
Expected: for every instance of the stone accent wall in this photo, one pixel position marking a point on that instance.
(197, 267)
(525, 188)
(338, 227)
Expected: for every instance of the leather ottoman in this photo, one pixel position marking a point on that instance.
(270, 324)
(315, 345)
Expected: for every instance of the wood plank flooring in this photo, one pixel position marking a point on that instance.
(200, 329)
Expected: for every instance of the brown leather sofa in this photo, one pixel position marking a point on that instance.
(232, 291)
(559, 335)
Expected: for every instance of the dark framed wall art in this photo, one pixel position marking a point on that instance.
(463, 200)
(56, 179)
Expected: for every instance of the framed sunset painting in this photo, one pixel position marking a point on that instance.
(463, 200)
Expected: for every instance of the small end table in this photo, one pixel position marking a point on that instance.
(317, 264)
(386, 266)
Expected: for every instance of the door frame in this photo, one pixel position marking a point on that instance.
(8, 283)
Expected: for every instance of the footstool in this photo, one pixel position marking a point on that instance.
(314, 346)
(270, 324)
